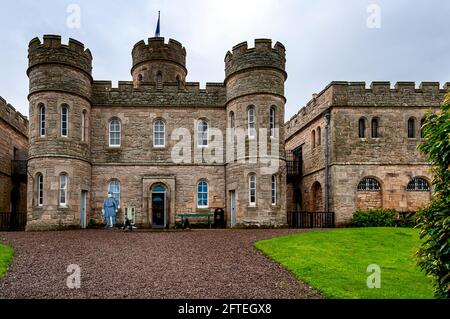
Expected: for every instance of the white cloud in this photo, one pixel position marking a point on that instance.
(326, 40)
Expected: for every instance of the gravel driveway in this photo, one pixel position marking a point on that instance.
(189, 265)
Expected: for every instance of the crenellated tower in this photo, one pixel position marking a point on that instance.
(255, 105)
(159, 62)
(59, 156)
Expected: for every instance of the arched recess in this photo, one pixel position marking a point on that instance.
(317, 197)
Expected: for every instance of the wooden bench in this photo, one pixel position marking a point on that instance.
(195, 215)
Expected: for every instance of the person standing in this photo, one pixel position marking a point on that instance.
(110, 208)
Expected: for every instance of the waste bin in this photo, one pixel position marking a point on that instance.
(219, 218)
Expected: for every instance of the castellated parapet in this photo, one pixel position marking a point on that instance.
(378, 94)
(262, 55)
(258, 70)
(57, 67)
(13, 117)
(157, 58)
(51, 50)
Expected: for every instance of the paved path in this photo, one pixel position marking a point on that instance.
(191, 264)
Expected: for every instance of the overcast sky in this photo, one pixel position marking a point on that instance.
(326, 40)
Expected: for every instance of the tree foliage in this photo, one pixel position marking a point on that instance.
(434, 220)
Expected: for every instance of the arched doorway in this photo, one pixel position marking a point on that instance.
(159, 206)
(317, 197)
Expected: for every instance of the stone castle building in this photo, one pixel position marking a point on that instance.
(163, 146)
(13, 156)
(357, 148)
(88, 138)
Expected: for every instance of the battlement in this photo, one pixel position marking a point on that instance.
(51, 50)
(157, 49)
(13, 117)
(262, 55)
(149, 94)
(378, 94)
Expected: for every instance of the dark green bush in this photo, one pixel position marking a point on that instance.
(434, 220)
(374, 218)
(407, 219)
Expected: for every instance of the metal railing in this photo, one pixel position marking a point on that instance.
(293, 166)
(311, 219)
(13, 221)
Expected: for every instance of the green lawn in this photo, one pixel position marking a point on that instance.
(6, 255)
(335, 262)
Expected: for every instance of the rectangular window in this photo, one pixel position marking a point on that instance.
(202, 194)
(64, 121)
(252, 190)
(272, 122)
(202, 134)
(63, 190)
(83, 126)
(251, 123)
(42, 121)
(114, 133)
(274, 189)
(40, 190)
(159, 134)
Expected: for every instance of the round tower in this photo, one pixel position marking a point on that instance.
(256, 179)
(158, 62)
(59, 169)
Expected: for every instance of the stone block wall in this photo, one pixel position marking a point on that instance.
(51, 215)
(13, 146)
(393, 194)
(136, 182)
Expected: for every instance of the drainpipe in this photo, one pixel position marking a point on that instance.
(327, 161)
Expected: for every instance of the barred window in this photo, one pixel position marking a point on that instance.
(369, 184)
(418, 184)
(114, 133)
(202, 194)
(64, 121)
(159, 134)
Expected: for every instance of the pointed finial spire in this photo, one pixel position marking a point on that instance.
(158, 26)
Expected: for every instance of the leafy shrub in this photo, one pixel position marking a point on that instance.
(407, 219)
(374, 218)
(434, 221)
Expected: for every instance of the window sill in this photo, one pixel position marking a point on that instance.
(159, 147)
